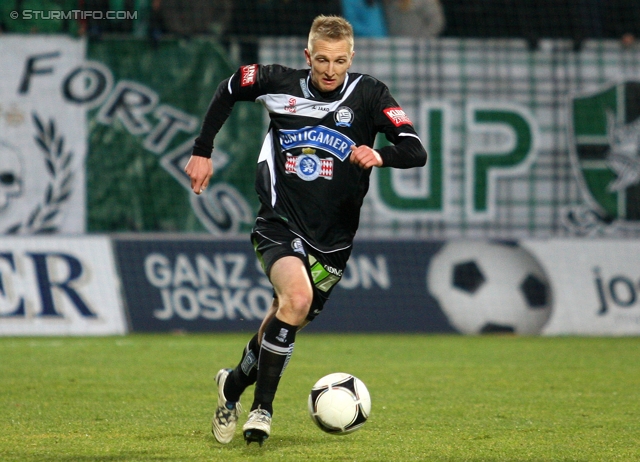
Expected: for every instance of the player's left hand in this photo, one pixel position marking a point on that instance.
(365, 157)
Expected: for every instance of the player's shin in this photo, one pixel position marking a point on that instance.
(245, 373)
(275, 353)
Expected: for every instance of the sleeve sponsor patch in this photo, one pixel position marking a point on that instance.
(248, 75)
(397, 116)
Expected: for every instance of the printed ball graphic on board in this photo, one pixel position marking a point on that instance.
(486, 287)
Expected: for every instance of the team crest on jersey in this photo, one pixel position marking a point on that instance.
(397, 116)
(248, 75)
(308, 166)
(343, 116)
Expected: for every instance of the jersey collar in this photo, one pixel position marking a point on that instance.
(338, 91)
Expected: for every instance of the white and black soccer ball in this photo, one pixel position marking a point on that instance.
(490, 287)
(339, 403)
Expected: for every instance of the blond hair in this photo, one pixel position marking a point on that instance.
(332, 28)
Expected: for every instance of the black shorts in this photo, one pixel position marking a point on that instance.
(272, 240)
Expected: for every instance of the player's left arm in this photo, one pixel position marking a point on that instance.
(407, 152)
(407, 149)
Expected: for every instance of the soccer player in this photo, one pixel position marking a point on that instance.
(312, 175)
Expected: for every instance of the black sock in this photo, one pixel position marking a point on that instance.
(275, 352)
(245, 373)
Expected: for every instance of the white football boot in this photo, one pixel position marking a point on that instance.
(223, 425)
(258, 426)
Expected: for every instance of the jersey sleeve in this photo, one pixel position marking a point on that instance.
(246, 84)
(407, 150)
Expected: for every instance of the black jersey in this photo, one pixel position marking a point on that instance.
(304, 176)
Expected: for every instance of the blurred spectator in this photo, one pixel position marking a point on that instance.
(96, 27)
(366, 17)
(252, 19)
(414, 18)
(533, 20)
(255, 18)
(576, 20)
(192, 17)
(464, 18)
(622, 21)
(586, 20)
(44, 19)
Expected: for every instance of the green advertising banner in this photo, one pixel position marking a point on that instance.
(522, 143)
(147, 104)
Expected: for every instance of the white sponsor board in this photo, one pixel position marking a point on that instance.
(59, 286)
(595, 285)
(43, 134)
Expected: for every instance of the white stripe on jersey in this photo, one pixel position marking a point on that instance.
(266, 155)
(229, 84)
(411, 135)
(296, 105)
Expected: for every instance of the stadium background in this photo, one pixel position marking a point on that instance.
(521, 105)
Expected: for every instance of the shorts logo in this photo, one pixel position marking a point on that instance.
(397, 116)
(309, 167)
(248, 76)
(332, 270)
(324, 276)
(297, 246)
(291, 107)
(343, 116)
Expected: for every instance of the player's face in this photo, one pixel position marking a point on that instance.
(329, 61)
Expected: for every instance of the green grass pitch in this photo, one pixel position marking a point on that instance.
(435, 398)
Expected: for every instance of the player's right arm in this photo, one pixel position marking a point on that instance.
(241, 86)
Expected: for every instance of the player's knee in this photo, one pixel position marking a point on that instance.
(297, 305)
(300, 301)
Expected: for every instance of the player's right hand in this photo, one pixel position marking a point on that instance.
(200, 171)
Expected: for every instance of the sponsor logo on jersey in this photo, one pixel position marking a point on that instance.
(343, 116)
(298, 247)
(309, 166)
(397, 116)
(291, 107)
(319, 137)
(249, 74)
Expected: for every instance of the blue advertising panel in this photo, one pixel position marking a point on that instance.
(384, 289)
(210, 285)
(194, 285)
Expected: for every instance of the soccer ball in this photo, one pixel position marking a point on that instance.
(490, 287)
(339, 403)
